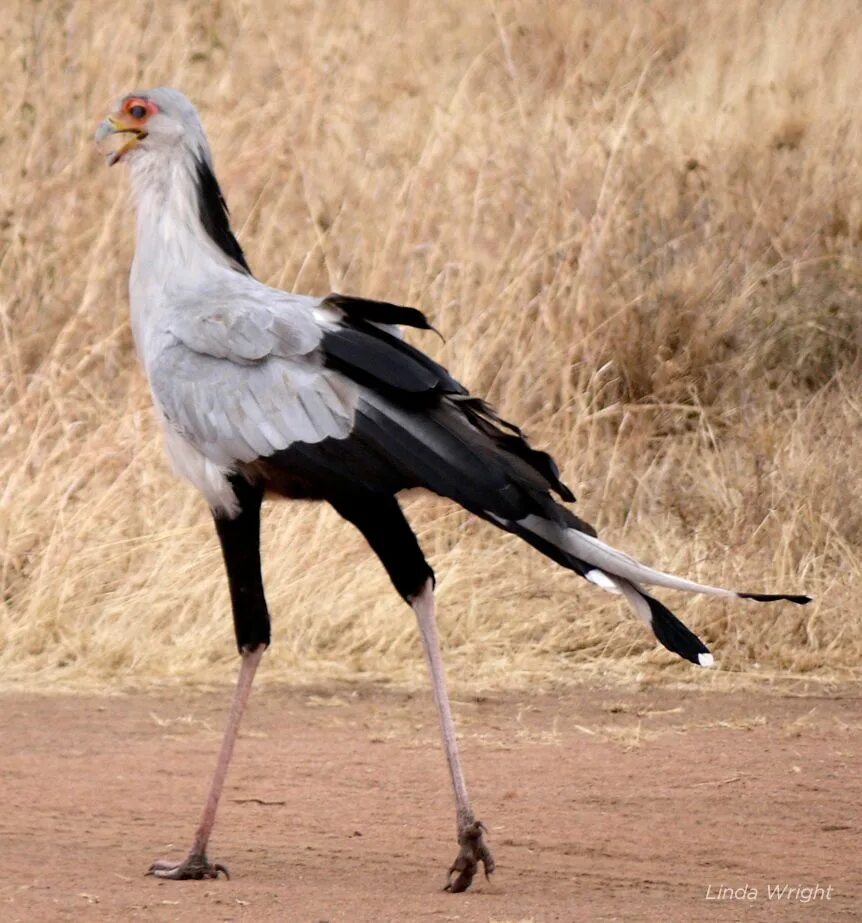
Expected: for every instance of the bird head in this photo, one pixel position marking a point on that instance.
(150, 122)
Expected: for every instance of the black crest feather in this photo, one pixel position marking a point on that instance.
(378, 312)
(214, 215)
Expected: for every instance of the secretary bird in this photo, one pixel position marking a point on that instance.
(262, 391)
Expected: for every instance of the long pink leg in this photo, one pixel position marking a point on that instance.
(196, 864)
(470, 831)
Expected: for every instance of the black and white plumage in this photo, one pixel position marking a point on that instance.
(320, 398)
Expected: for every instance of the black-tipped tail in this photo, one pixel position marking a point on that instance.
(775, 597)
(671, 632)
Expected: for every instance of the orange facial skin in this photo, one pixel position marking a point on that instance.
(130, 119)
(136, 110)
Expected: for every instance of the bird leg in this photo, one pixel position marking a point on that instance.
(196, 865)
(470, 831)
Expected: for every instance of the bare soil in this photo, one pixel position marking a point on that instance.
(602, 804)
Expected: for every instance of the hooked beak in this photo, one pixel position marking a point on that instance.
(114, 131)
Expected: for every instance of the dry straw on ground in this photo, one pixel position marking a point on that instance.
(638, 226)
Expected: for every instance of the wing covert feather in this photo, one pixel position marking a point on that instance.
(245, 323)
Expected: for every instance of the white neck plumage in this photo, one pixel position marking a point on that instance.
(176, 212)
(183, 233)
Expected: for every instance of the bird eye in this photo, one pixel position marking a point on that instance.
(137, 111)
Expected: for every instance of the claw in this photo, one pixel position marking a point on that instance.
(195, 867)
(473, 851)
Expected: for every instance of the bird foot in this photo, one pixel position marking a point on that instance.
(473, 851)
(195, 866)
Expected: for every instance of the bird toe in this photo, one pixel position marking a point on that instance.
(473, 850)
(194, 867)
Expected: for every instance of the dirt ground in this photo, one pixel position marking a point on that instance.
(602, 804)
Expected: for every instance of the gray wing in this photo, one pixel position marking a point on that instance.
(239, 374)
(245, 322)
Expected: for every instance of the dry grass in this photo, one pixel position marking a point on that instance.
(639, 227)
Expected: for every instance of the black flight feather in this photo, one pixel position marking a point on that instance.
(375, 358)
(485, 419)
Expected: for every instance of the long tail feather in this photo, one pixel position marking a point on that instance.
(667, 628)
(617, 563)
(617, 572)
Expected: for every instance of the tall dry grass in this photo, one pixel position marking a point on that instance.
(639, 227)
